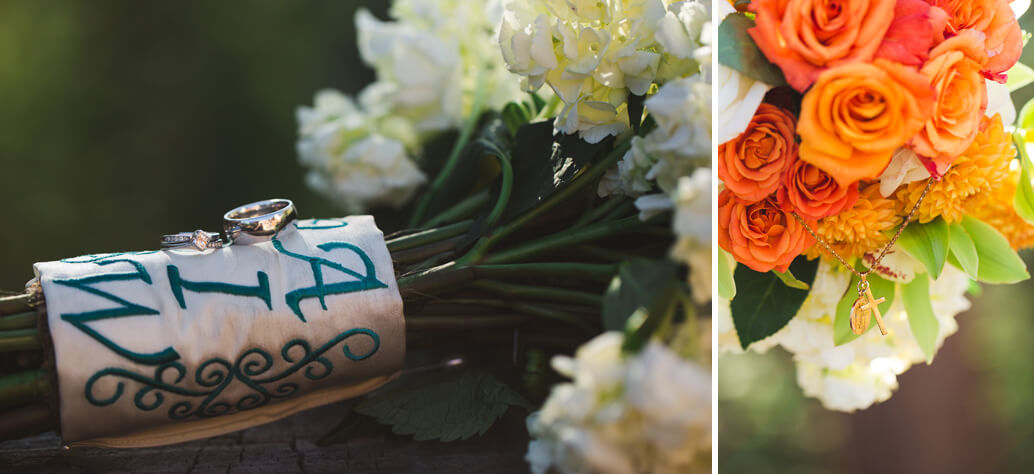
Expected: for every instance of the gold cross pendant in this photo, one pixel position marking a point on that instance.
(864, 308)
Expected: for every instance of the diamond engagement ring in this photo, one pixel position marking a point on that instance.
(258, 221)
(198, 239)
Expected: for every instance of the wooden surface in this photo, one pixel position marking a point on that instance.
(286, 446)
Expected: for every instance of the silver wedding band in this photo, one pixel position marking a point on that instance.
(258, 221)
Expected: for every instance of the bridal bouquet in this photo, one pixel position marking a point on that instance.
(869, 180)
(552, 159)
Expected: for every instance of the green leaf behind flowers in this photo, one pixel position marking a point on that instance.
(448, 407)
(637, 285)
(543, 164)
(737, 50)
(921, 319)
(927, 243)
(726, 284)
(763, 304)
(1023, 199)
(999, 263)
(963, 250)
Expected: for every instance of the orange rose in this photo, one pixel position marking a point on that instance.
(1003, 40)
(760, 235)
(814, 194)
(954, 71)
(804, 37)
(857, 115)
(752, 164)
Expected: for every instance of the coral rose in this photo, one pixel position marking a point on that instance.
(752, 164)
(760, 235)
(954, 71)
(814, 194)
(916, 27)
(1003, 40)
(857, 115)
(804, 37)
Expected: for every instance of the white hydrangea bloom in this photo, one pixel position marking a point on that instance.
(594, 53)
(649, 412)
(855, 375)
(429, 61)
(692, 225)
(356, 158)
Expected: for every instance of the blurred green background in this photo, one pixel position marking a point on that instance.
(970, 412)
(124, 120)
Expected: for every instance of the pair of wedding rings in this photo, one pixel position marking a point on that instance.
(243, 225)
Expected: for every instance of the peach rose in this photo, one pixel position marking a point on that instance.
(805, 37)
(760, 235)
(857, 115)
(814, 194)
(1003, 40)
(752, 164)
(954, 71)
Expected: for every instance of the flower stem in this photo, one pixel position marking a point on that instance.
(563, 239)
(24, 320)
(587, 271)
(538, 292)
(454, 155)
(460, 210)
(428, 236)
(15, 304)
(19, 340)
(23, 387)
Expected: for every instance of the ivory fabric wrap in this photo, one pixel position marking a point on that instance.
(167, 346)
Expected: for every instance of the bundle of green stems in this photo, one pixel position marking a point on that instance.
(462, 274)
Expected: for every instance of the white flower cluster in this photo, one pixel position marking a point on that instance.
(593, 53)
(431, 62)
(860, 373)
(354, 157)
(649, 412)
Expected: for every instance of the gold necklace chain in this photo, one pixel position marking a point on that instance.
(886, 249)
(867, 305)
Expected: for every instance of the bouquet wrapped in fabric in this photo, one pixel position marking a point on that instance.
(552, 165)
(869, 179)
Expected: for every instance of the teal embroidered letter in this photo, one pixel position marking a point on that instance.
(321, 290)
(178, 284)
(124, 308)
(312, 225)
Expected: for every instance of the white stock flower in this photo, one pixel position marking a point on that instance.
(429, 60)
(650, 413)
(692, 225)
(594, 53)
(355, 158)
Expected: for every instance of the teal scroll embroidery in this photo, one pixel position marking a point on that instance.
(312, 225)
(252, 368)
(321, 290)
(123, 309)
(178, 284)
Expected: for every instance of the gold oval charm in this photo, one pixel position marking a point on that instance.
(860, 317)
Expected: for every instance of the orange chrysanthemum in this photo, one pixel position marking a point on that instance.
(998, 211)
(969, 181)
(859, 230)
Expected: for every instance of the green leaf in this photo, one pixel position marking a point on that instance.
(921, 319)
(737, 50)
(543, 164)
(1023, 200)
(637, 285)
(644, 322)
(723, 267)
(927, 243)
(515, 115)
(963, 250)
(881, 288)
(446, 408)
(789, 280)
(1025, 119)
(763, 304)
(999, 263)
(1019, 76)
